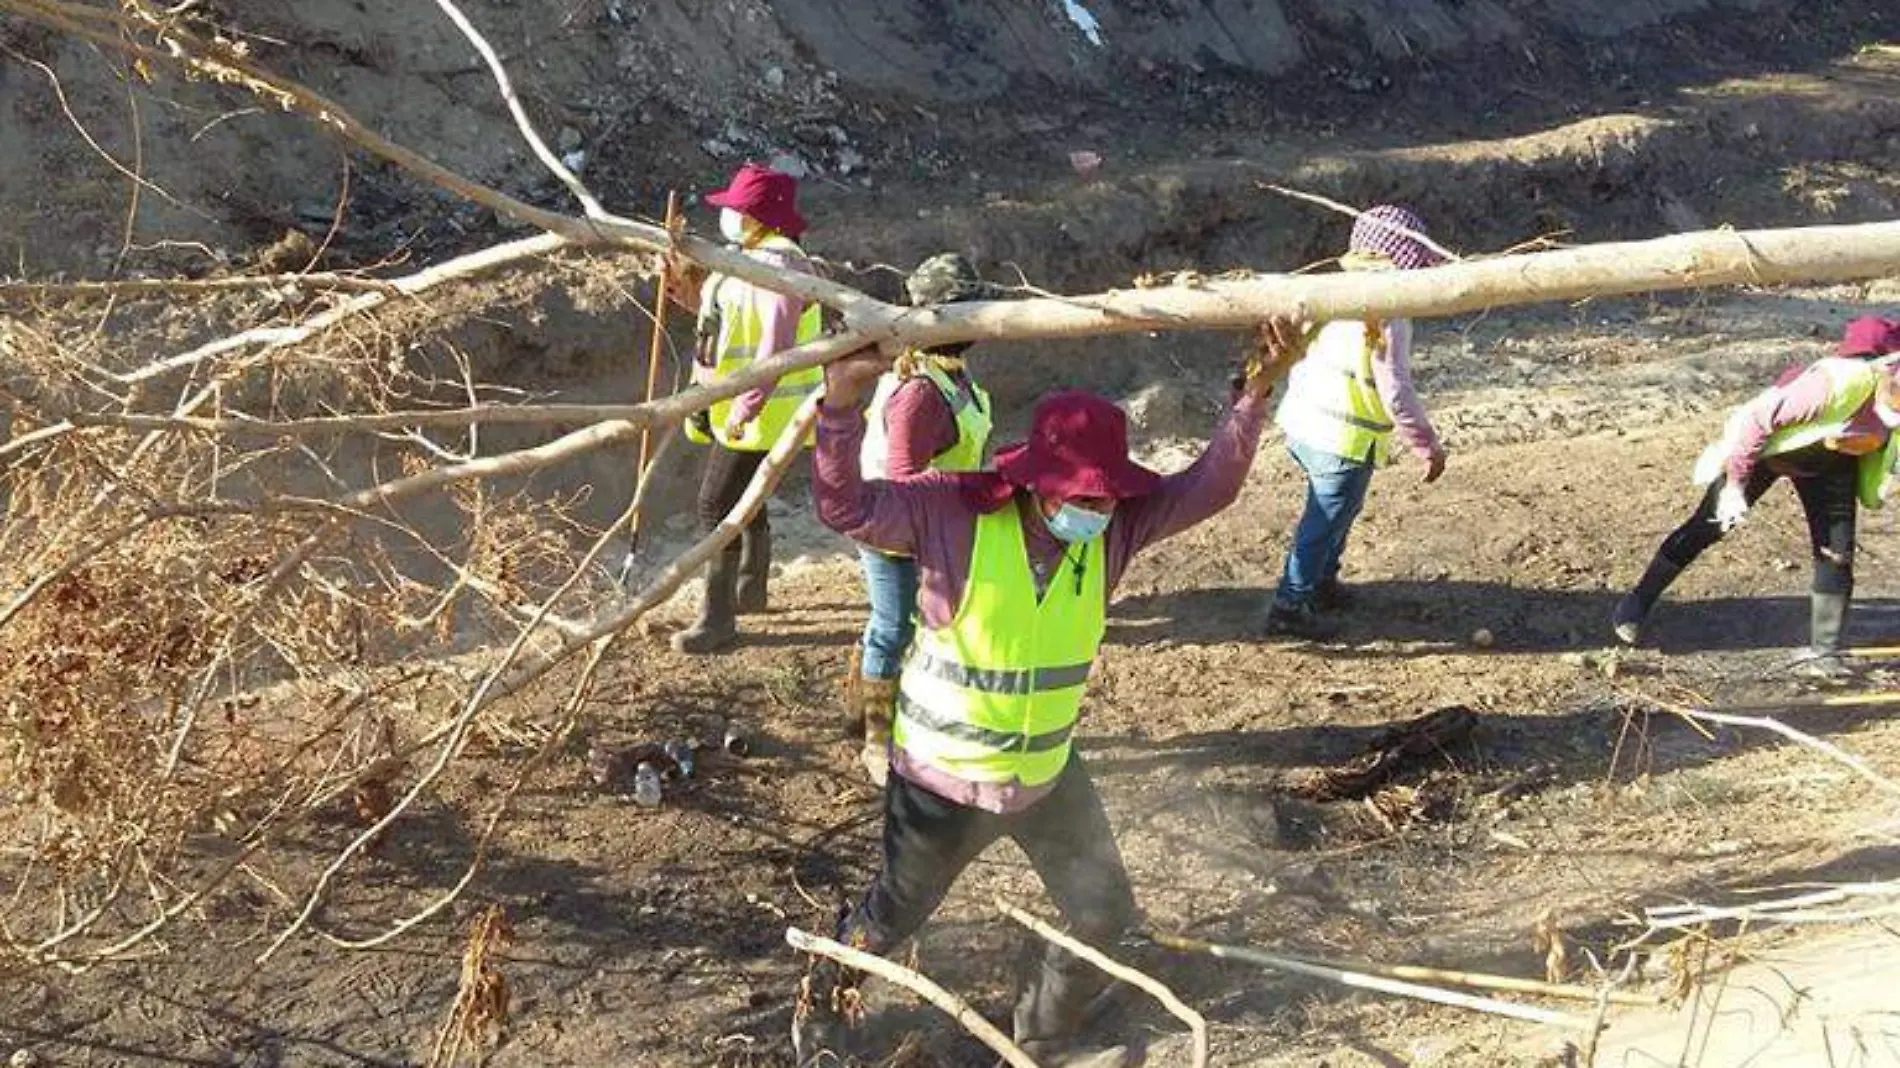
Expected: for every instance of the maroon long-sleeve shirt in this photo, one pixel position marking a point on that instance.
(932, 517)
(918, 427)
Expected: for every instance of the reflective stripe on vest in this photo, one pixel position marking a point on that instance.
(971, 412)
(741, 329)
(1332, 400)
(994, 696)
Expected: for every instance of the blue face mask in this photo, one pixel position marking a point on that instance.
(1075, 525)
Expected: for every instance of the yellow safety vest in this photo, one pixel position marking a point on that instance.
(1850, 384)
(972, 413)
(994, 696)
(737, 305)
(1332, 401)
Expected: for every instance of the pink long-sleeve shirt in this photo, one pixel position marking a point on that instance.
(1392, 373)
(932, 517)
(1793, 402)
(778, 323)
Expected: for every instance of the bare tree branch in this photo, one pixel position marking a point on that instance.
(955, 1007)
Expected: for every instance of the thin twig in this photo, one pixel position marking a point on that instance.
(1197, 1024)
(955, 1007)
(1828, 749)
(1480, 980)
(528, 133)
(1355, 213)
(1378, 983)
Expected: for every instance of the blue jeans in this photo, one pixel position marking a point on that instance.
(891, 583)
(1335, 492)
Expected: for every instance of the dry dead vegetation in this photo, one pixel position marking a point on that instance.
(273, 587)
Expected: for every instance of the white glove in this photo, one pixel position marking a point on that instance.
(1730, 506)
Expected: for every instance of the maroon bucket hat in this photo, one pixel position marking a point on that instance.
(1077, 447)
(1870, 335)
(764, 194)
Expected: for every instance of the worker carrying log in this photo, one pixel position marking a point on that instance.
(928, 414)
(1828, 429)
(739, 323)
(1015, 570)
(1341, 410)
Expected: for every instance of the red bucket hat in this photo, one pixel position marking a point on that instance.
(764, 194)
(1870, 335)
(1077, 447)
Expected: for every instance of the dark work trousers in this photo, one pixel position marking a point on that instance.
(928, 841)
(722, 482)
(1827, 483)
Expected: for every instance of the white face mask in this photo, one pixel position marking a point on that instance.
(1075, 524)
(732, 226)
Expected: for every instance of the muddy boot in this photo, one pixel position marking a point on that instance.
(1051, 1013)
(716, 628)
(1627, 621)
(755, 566)
(877, 701)
(1827, 620)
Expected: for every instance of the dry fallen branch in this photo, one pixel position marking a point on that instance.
(1807, 741)
(957, 1009)
(1481, 980)
(1197, 1024)
(1378, 983)
(140, 287)
(1802, 908)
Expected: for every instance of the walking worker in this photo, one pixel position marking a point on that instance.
(1827, 429)
(739, 323)
(1342, 406)
(928, 414)
(1015, 569)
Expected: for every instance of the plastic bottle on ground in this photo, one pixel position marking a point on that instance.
(646, 785)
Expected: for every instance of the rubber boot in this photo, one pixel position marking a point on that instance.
(1050, 1015)
(877, 700)
(1827, 620)
(1631, 612)
(716, 627)
(755, 566)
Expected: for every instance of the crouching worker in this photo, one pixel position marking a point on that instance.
(1829, 431)
(928, 414)
(1015, 568)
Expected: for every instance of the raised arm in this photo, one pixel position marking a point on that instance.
(872, 512)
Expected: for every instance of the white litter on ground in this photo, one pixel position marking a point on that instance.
(1084, 21)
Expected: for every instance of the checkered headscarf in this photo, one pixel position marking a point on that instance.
(1382, 230)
